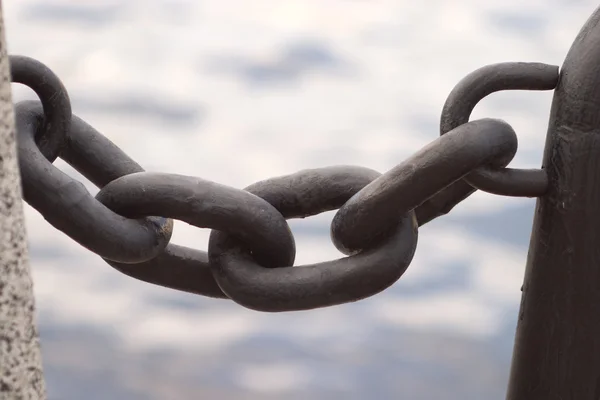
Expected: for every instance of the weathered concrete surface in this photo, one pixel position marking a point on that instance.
(20, 359)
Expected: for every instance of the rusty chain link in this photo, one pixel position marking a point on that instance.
(251, 251)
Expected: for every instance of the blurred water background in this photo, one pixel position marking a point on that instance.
(237, 91)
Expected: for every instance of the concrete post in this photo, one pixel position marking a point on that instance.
(21, 375)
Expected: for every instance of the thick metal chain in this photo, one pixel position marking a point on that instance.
(251, 252)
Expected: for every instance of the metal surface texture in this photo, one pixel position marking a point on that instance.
(467, 94)
(557, 349)
(50, 137)
(368, 215)
(68, 205)
(246, 280)
(251, 252)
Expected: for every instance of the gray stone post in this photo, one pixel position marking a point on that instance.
(21, 375)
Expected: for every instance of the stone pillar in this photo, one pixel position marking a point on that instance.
(21, 375)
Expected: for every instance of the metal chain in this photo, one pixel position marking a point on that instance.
(251, 251)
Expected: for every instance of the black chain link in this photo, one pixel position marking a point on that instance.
(366, 217)
(68, 205)
(369, 271)
(251, 251)
(481, 83)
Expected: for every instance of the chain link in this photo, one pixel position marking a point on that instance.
(245, 280)
(55, 122)
(251, 251)
(368, 215)
(465, 97)
(68, 206)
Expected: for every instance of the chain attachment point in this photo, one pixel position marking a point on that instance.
(470, 91)
(52, 133)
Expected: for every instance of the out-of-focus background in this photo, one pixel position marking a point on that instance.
(238, 91)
